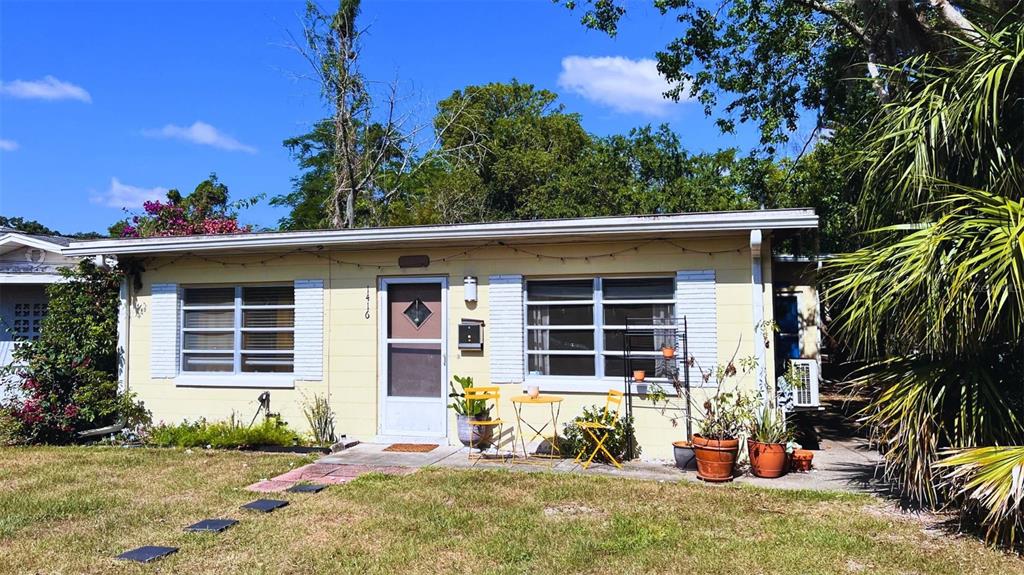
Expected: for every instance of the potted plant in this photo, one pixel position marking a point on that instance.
(717, 444)
(767, 442)
(685, 457)
(639, 375)
(668, 352)
(801, 460)
(479, 436)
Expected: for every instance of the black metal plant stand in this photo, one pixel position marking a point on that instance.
(640, 331)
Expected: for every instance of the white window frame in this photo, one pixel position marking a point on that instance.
(237, 330)
(599, 381)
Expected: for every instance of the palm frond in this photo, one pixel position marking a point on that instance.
(920, 407)
(993, 479)
(961, 121)
(963, 276)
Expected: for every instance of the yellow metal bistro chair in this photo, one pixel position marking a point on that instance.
(489, 395)
(600, 431)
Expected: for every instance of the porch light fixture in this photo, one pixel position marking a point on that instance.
(469, 288)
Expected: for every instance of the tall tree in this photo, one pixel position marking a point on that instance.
(310, 199)
(934, 307)
(509, 151)
(367, 139)
(772, 57)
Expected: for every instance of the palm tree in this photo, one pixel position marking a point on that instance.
(934, 304)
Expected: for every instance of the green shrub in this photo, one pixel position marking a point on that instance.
(230, 434)
(577, 440)
(10, 428)
(68, 377)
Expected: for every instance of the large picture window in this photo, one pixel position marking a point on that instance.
(238, 329)
(576, 327)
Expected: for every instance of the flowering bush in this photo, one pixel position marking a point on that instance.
(68, 377)
(173, 219)
(204, 211)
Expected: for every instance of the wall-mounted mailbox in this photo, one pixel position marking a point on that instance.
(471, 335)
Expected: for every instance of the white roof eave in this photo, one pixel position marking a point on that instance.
(597, 228)
(9, 239)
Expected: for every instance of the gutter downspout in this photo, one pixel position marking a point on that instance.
(757, 295)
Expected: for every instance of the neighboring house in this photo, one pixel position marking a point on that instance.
(28, 263)
(376, 319)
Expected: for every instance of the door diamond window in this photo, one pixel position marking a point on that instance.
(417, 312)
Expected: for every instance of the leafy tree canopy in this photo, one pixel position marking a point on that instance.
(770, 58)
(33, 227)
(515, 153)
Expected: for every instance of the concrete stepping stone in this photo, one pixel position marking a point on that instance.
(211, 525)
(306, 488)
(147, 553)
(265, 505)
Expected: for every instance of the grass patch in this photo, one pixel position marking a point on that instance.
(70, 510)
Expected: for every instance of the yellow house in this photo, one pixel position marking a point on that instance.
(379, 320)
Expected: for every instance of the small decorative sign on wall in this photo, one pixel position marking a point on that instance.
(421, 261)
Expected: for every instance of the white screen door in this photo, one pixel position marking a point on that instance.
(413, 361)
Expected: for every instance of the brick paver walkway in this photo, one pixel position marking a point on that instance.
(324, 474)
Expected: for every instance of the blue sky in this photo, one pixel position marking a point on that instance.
(103, 104)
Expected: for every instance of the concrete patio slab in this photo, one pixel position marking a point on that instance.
(847, 465)
(374, 454)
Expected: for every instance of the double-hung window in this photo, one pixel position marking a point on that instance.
(577, 327)
(238, 329)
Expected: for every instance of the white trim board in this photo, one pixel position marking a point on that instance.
(568, 229)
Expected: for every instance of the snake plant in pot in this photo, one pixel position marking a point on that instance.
(767, 439)
(479, 436)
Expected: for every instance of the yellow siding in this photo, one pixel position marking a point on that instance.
(351, 340)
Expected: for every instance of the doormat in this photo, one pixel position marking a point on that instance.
(411, 447)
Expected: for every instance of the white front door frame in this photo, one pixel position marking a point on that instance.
(439, 403)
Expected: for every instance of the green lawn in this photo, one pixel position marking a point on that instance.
(70, 510)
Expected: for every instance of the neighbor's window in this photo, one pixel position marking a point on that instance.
(238, 329)
(576, 327)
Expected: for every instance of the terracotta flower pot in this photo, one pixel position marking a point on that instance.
(767, 459)
(668, 352)
(684, 455)
(801, 460)
(716, 458)
(639, 375)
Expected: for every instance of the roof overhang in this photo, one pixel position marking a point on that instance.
(12, 241)
(593, 229)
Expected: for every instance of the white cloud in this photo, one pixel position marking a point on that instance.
(201, 133)
(625, 85)
(120, 195)
(8, 145)
(49, 88)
